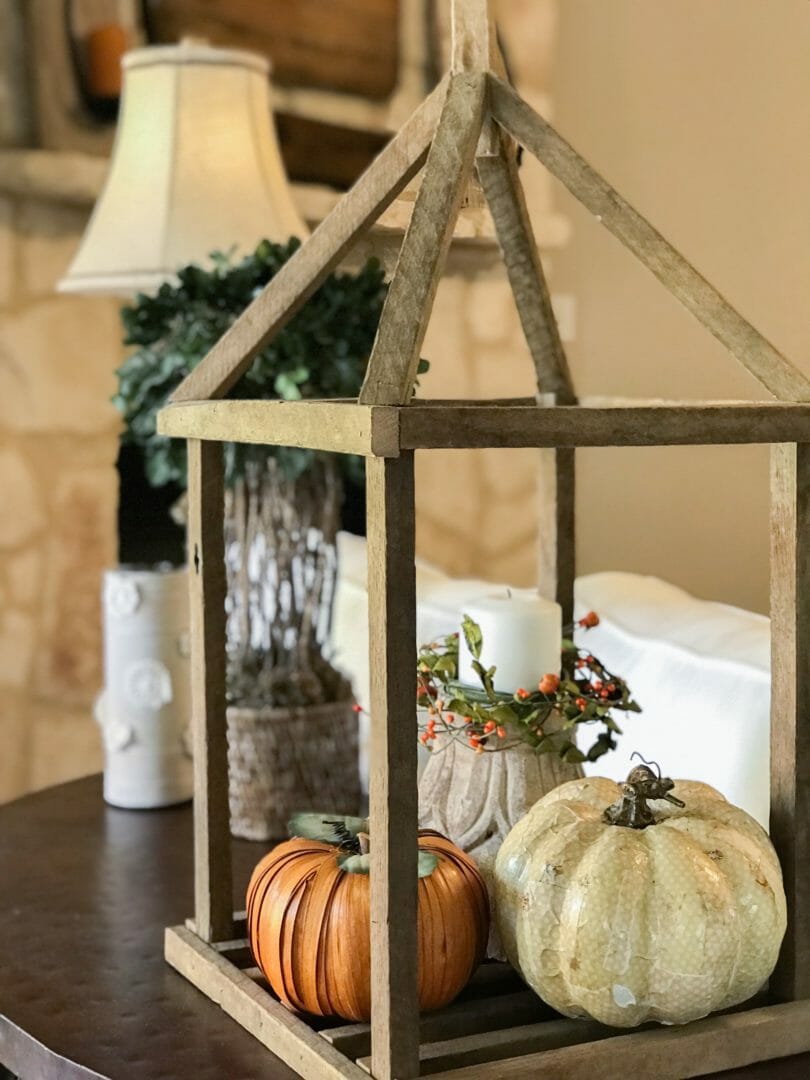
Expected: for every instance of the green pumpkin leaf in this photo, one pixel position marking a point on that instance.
(426, 863)
(361, 864)
(315, 826)
(355, 864)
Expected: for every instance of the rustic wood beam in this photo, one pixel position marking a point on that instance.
(288, 1036)
(298, 279)
(381, 431)
(343, 427)
(213, 898)
(392, 776)
(773, 370)
(474, 41)
(790, 706)
(463, 426)
(556, 528)
(497, 173)
(705, 1046)
(392, 367)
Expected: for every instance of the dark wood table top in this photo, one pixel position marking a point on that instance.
(85, 892)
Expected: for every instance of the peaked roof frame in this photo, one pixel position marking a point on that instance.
(468, 123)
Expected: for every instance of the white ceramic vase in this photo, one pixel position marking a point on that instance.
(145, 708)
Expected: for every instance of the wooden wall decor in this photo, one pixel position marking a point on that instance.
(498, 1030)
(344, 45)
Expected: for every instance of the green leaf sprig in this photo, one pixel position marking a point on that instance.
(543, 718)
(322, 352)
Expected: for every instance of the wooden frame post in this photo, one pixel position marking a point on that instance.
(790, 706)
(393, 798)
(213, 893)
(557, 527)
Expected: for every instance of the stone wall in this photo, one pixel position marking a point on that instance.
(58, 439)
(58, 443)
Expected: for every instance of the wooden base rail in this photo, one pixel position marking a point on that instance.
(497, 1028)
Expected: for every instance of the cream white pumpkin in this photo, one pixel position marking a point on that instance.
(668, 922)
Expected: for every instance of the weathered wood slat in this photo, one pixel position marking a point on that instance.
(474, 41)
(393, 809)
(289, 1037)
(504, 194)
(462, 1018)
(347, 428)
(556, 528)
(655, 425)
(314, 261)
(487, 1046)
(773, 370)
(666, 1053)
(213, 902)
(380, 431)
(790, 706)
(392, 367)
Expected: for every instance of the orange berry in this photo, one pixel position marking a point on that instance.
(604, 694)
(581, 704)
(501, 732)
(611, 686)
(357, 708)
(549, 684)
(590, 620)
(490, 725)
(450, 718)
(423, 738)
(522, 693)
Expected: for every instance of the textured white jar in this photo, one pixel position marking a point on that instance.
(145, 708)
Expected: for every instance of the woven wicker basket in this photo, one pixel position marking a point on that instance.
(281, 761)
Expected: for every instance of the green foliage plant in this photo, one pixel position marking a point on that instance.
(322, 352)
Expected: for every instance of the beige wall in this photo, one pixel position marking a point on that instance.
(698, 113)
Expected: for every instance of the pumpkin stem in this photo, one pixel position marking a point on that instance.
(631, 810)
(365, 842)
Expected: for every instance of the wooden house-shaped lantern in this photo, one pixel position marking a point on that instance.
(472, 121)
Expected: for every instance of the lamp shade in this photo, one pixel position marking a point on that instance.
(195, 168)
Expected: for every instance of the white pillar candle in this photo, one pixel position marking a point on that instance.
(522, 639)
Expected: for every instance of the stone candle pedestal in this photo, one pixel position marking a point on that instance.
(476, 799)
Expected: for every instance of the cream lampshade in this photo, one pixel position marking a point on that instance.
(195, 168)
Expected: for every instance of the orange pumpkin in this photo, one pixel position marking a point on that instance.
(309, 925)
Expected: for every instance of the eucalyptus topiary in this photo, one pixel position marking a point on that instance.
(322, 352)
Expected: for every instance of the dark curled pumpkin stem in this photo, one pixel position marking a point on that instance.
(631, 810)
